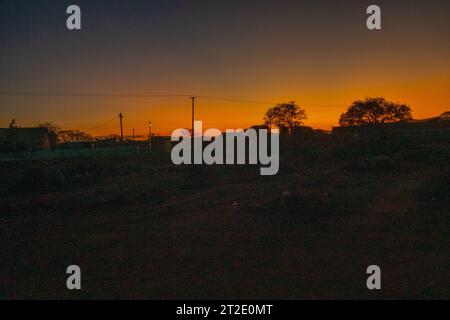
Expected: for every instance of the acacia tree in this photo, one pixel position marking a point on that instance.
(374, 111)
(58, 135)
(285, 115)
(74, 136)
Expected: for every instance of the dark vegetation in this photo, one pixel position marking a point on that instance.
(374, 111)
(140, 227)
(285, 116)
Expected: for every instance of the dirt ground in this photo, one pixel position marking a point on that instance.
(140, 227)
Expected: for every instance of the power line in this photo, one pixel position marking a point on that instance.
(90, 95)
(101, 125)
(108, 95)
(236, 100)
(267, 102)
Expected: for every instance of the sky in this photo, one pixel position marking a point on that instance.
(317, 53)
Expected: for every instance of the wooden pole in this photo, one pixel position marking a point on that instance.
(150, 136)
(121, 127)
(193, 116)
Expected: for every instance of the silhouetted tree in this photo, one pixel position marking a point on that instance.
(74, 136)
(58, 135)
(285, 115)
(13, 124)
(374, 111)
(53, 131)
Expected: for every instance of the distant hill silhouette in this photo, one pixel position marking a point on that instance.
(445, 116)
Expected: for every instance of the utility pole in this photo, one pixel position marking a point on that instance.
(193, 115)
(121, 127)
(150, 136)
(192, 128)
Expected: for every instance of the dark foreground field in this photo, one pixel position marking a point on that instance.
(140, 227)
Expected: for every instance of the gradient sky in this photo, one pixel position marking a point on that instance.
(318, 53)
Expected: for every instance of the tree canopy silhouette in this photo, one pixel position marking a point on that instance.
(374, 111)
(74, 136)
(58, 135)
(285, 115)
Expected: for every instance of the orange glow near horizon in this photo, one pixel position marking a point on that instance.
(426, 97)
(323, 111)
(325, 94)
